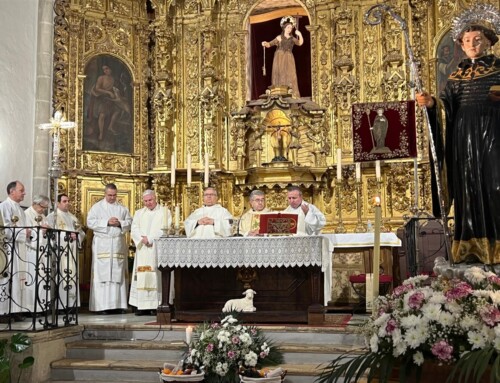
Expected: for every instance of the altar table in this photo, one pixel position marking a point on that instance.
(295, 261)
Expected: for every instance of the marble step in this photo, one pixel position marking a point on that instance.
(131, 350)
(147, 371)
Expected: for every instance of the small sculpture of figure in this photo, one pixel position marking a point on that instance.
(259, 131)
(280, 141)
(379, 132)
(241, 147)
(295, 138)
(284, 71)
(242, 304)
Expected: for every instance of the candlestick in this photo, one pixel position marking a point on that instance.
(415, 176)
(207, 171)
(377, 170)
(172, 170)
(189, 334)
(188, 165)
(177, 216)
(165, 215)
(358, 171)
(339, 163)
(376, 248)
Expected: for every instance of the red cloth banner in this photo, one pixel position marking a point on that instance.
(384, 130)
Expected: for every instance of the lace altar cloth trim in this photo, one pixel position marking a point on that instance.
(244, 251)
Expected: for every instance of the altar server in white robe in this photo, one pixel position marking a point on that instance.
(250, 221)
(310, 219)
(209, 221)
(13, 265)
(71, 238)
(36, 247)
(110, 221)
(145, 289)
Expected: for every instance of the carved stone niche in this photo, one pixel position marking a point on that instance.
(279, 138)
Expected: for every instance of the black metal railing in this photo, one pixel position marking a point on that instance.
(38, 278)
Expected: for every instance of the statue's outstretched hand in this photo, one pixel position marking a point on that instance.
(425, 99)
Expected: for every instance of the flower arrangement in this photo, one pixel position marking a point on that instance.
(448, 321)
(222, 349)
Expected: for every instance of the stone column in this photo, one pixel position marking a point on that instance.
(43, 96)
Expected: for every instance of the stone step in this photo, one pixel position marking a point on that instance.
(147, 370)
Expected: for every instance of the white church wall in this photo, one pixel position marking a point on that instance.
(18, 61)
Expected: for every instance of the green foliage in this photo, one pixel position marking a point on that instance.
(474, 364)
(18, 344)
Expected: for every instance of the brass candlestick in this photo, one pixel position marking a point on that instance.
(14, 220)
(360, 226)
(338, 186)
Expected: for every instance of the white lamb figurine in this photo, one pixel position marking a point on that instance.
(241, 304)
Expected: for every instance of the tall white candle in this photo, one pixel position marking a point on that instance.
(377, 170)
(172, 170)
(339, 163)
(376, 247)
(177, 216)
(415, 176)
(189, 334)
(358, 171)
(207, 171)
(165, 215)
(188, 165)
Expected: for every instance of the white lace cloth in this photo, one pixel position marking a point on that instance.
(363, 240)
(248, 252)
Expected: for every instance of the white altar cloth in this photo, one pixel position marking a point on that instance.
(362, 240)
(290, 251)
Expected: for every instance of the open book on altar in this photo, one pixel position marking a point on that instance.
(278, 223)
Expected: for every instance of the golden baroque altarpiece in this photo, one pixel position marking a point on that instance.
(188, 64)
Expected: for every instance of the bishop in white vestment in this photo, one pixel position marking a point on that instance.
(70, 242)
(110, 221)
(209, 221)
(249, 224)
(145, 289)
(310, 219)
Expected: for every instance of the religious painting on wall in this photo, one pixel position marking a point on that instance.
(384, 130)
(449, 54)
(108, 106)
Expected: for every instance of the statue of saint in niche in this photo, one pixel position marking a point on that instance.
(379, 132)
(284, 72)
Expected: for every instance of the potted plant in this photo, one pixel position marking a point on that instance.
(449, 323)
(18, 343)
(222, 349)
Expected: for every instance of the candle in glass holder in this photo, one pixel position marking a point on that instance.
(339, 164)
(177, 216)
(188, 165)
(172, 170)
(358, 171)
(377, 170)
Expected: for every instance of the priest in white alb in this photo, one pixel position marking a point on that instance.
(71, 236)
(249, 224)
(145, 290)
(110, 221)
(209, 221)
(13, 254)
(310, 219)
(35, 217)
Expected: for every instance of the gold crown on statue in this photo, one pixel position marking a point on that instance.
(485, 15)
(288, 20)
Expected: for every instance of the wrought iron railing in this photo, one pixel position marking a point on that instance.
(38, 278)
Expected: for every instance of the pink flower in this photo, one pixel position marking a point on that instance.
(442, 350)
(490, 315)
(235, 339)
(231, 354)
(391, 325)
(262, 354)
(461, 290)
(494, 279)
(416, 300)
(400, 290)
(210, 347)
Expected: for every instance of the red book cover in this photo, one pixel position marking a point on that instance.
(278, 223)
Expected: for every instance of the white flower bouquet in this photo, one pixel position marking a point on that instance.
(224, 349)
(454, 322)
